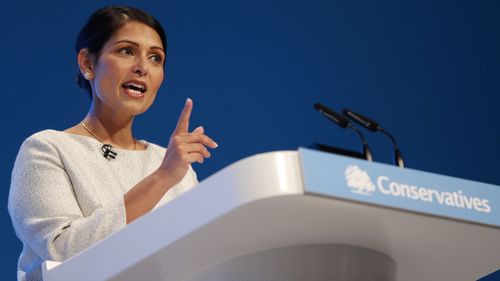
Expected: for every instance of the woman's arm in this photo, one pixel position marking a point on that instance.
(184, 148)
(46, 214)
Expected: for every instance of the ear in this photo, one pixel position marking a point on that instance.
(86, 63)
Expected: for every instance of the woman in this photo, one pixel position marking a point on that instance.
(72, 188)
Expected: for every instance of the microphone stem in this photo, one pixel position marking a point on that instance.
(366, 149)
(393, 140)
(398, 157)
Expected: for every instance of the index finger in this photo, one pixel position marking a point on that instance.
(183, 122)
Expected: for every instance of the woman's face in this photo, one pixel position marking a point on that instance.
(129, 70)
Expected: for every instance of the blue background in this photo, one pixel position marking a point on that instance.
(427, 70)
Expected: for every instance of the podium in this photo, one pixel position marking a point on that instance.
(305, 215)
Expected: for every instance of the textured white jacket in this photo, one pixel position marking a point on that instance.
(65, 196)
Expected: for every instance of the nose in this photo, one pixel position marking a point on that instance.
(140, 68)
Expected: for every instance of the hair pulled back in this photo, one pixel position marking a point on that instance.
(103, 24)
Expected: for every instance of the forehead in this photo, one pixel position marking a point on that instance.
(137, 32)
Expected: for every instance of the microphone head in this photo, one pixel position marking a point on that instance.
(332, 115)
(362, 120)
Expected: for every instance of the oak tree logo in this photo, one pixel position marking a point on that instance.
(358, 180)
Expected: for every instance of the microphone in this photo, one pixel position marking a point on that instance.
(344, 123)
(362, 120)
(332, 115)
(107, 151)
(375, 127)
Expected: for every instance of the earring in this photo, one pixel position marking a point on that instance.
(86, 75)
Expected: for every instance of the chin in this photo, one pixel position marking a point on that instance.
(134, 110)
(137, 108)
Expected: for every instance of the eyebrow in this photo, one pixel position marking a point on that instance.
(136, 44)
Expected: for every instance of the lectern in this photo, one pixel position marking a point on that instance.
(305, 215)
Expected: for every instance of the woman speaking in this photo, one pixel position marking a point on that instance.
(72, 188)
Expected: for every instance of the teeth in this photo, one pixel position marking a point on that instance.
(135, 86)
(135, 92)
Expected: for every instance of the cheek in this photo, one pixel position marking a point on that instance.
(159, 78)
(108, 75)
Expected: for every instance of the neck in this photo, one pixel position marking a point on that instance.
(111, 128)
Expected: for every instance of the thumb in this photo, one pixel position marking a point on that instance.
(199, 130)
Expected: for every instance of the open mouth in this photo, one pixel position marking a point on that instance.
(135, 88)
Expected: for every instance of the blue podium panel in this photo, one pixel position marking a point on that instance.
(406, 189)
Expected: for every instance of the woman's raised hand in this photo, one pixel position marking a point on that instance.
(185, 148)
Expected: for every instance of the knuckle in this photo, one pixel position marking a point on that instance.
(196, 137)
(185, 159)
(178, 141)
(181, 148)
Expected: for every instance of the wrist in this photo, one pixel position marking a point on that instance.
(163, 178)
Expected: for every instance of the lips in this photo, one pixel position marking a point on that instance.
(135, 88)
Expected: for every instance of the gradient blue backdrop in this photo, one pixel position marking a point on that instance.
(427, 70)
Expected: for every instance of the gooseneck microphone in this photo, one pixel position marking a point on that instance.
(344, 123)
(332, 115)
(375, 127)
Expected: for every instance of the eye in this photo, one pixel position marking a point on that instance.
(156, 58)
(126, 51)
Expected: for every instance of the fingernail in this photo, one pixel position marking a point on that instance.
(187, 100)
(215, 145)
